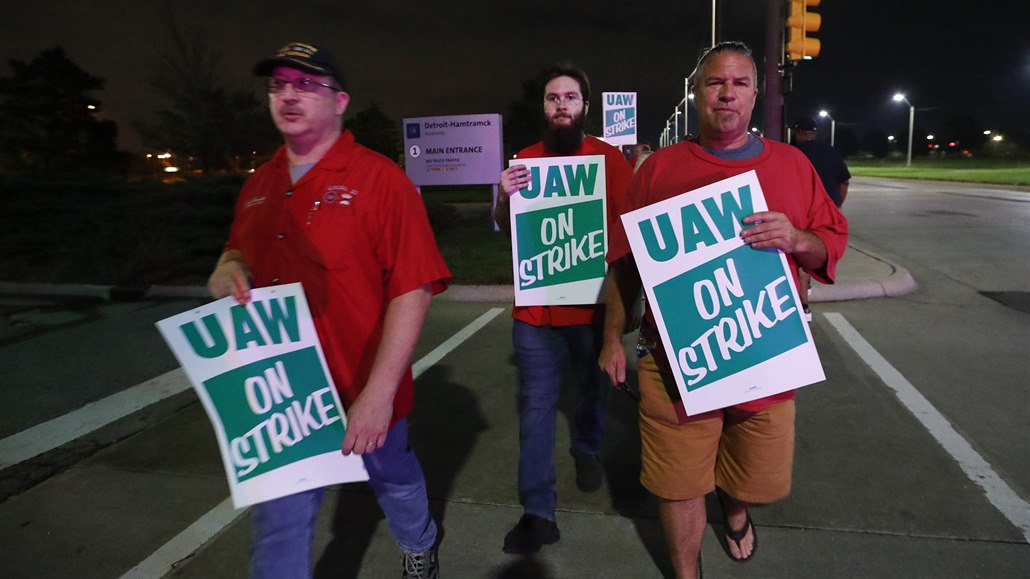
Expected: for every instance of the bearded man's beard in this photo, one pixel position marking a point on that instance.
(564, 139)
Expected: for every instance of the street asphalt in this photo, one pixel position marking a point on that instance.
(162, 490)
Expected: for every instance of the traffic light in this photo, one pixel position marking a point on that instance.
(799, 23)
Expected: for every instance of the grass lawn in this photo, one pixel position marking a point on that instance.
(988, 171)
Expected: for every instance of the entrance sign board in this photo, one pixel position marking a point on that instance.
(453, 150)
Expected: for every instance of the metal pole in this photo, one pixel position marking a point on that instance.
(713, 22)
(911, 126)
(686, 107)
(772, 99)
(833, 130)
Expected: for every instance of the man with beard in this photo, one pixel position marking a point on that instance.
(543, 336)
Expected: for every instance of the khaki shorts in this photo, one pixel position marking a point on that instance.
(749, 455)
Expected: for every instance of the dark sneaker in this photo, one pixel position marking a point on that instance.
(423, 565)
(589, 472)
(531, 533)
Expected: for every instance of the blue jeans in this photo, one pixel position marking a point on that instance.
(284, 529)
(541, 353)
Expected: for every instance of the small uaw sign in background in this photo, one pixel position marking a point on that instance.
(620, 117)
(729, 315)
(261, 375)
(560, 231)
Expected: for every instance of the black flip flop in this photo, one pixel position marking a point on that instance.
(738, 535)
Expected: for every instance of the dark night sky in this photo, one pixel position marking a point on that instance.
(421, 58)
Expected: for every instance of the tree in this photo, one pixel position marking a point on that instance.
(215, 125)
(876, 143)
(846, 141)
(375, 130)
(964, 131)
(525, 123)
(48, 119)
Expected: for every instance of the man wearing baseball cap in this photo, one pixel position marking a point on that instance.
(348, 224)
(833, 173)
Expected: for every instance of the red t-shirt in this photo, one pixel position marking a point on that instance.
(353, 230)
(791, 187)
(617, 176)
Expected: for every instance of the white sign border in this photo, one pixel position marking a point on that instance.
(789, 370)
(313, 472)
(583, 292)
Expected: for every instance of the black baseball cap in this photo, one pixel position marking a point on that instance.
(805, 124)
(302, 56)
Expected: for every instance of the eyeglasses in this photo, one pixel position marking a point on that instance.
(569, 100)
(303, 86)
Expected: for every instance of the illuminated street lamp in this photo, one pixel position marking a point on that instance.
(911, 124)
(833, 124)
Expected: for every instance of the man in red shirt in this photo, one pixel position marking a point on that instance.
(543, 335)
(348, 224)
(744, 452)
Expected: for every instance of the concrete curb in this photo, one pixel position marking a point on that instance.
(896, 283)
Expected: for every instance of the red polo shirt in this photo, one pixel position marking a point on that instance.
(353, 230)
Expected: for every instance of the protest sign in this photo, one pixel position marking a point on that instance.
(620, 117)
(260, 373)
(559, 231)
(729, 316)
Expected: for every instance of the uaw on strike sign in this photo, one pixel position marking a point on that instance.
(261, 375)
(559, 231)
(729, 315)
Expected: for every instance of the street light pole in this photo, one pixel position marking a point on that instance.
(911, 124)
(686, 107)
(676, 125)
(833, 125)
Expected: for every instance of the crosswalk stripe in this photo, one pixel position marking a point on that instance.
(64, 429)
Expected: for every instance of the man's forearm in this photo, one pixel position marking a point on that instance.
(810, 252)
(402, 325)
(622, 288)
(502, 215)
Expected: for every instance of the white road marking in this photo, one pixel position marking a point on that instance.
(183, 545)
(64, 429)
(451, 343)
(998, 492)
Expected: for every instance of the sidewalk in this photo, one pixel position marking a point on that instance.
(861, 274)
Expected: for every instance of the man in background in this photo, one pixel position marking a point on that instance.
(833, 172)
